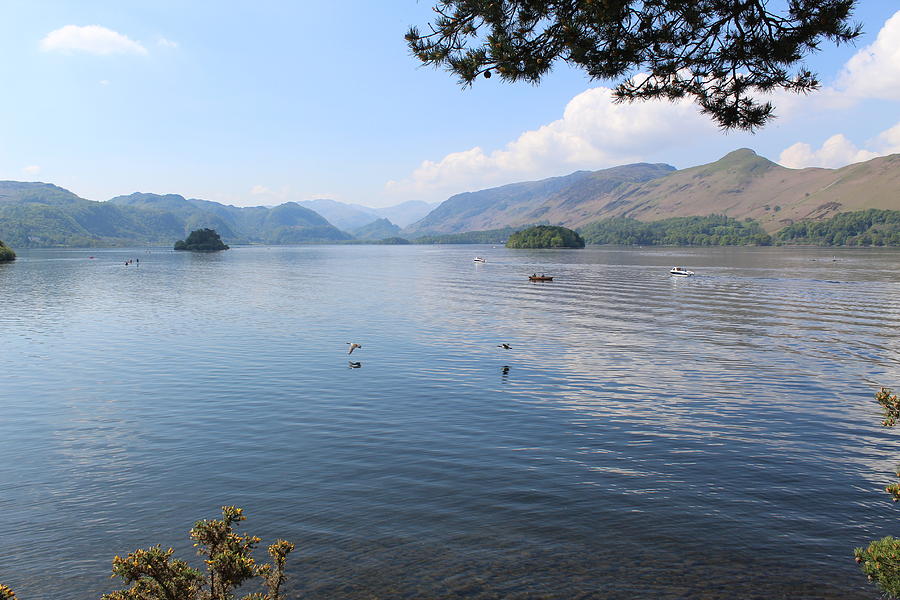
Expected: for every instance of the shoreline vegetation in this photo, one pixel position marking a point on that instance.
(871, 228)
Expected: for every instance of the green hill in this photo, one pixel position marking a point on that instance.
(377, 230)
(551, 200)
(39, 214)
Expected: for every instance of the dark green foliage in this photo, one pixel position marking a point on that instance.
(880, 561)
(545, 236)
(154, 575)
(720, 53)
(489, 236)
(202, 240)
(6, 253)
(714, 230)
(393, 241)
(872, 227)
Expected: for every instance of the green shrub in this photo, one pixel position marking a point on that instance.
(880, 561)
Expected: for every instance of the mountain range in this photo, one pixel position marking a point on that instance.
(349, 217)
(741, 185)
(41, 214)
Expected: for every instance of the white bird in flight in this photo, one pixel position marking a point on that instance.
(353, 346)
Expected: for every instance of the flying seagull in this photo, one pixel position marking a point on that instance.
(353, 346)
(505, 346)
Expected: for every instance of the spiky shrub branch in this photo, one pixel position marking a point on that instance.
(720, 53)
(154, 575)
(880, 560)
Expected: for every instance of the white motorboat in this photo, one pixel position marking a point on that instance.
(478, 259)
(681, 271)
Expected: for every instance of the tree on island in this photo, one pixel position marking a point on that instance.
(6, 254)
(880, 560)
(545, 236)
(723, 54)
(202, 240)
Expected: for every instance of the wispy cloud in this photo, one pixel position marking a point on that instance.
(31, 169)
(91, 39)
(166, 43)
(259, 190)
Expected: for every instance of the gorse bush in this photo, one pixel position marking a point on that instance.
(880, 560)
(153, 574)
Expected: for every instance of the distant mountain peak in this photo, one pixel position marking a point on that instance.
(740, 153)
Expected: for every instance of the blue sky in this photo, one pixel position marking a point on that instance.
(262, 102)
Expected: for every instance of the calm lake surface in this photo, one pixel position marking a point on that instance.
(646, 437)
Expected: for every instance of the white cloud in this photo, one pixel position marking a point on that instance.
(874, 71)
(31, 169)
(836, 151)
(165, 43)
(92, 39)
(104, 82)
(259, 190)
(889, 140)
(593, 133)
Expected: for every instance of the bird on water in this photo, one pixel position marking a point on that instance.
(353, 346)
(505, 346)
(354, 365)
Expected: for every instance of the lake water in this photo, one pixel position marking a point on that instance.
(645, 437)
